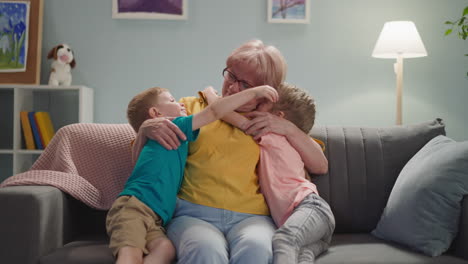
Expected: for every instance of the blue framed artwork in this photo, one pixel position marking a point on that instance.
(14, 26)
(288, 11)
(149, 9)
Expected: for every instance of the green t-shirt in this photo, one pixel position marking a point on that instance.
(158, 173)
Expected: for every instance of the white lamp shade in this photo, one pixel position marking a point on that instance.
(399, 38)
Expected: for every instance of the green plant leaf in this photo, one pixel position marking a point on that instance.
(461, 25)
(461, 21)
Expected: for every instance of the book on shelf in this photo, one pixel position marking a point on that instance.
(27, 131)
(35, 130)
(39, 130)
(46, 129)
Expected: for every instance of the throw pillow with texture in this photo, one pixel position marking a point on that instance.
(424, 207)
(364, 163)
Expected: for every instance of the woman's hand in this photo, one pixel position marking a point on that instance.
(163, 131)
(262, 123)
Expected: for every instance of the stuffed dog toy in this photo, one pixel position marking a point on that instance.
(60, 74)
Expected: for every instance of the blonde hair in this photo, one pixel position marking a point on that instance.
(137, 110)
(270, 64)
(297, 105)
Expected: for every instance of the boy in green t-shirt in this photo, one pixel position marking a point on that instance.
(135, 220)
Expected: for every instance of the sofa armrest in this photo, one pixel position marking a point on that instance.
(460, 244)
(32, 222)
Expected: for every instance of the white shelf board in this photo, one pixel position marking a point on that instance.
(28, 151)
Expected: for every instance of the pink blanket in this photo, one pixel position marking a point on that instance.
(91, 162)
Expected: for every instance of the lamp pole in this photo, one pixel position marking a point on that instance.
(399, 88)
(399, 39)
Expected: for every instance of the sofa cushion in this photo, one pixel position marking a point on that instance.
(366, 249)
(364, 163)
(345, 248)
(424, 207)
(87, 251)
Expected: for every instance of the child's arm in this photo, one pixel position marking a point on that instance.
(232, 118)
(223, 106)
(310, 151)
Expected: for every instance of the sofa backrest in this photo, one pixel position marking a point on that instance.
(364, 163)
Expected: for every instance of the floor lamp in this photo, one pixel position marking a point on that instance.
(398, 40)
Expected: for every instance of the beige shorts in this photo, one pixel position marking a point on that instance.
(132, 223)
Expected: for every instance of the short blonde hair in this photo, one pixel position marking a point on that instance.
(297, 105)
(137, 110)
(268, 60)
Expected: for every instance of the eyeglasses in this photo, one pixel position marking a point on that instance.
(229, 76)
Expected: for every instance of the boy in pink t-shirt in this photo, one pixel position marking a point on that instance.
(305, 221)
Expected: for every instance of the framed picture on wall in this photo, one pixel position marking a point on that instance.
(288, 11)
(20, 41)
(149, 9)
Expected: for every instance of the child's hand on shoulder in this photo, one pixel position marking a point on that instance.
(211, 94)
(267, 92)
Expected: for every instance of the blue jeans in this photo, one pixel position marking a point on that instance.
(205, 235)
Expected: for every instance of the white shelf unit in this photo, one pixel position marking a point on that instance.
(66, 105)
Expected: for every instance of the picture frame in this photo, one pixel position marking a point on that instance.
(289, 11)
(20, 41)
(150, 9)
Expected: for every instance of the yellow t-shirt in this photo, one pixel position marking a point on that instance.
(220, 169)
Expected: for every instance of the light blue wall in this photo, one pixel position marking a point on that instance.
(330, 57)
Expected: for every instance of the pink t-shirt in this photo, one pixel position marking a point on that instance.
(282, 177)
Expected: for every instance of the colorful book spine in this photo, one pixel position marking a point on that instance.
(35, 130)
(27, 132)
(46, 129)
(39, 130)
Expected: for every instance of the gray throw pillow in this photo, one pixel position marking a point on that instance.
(423, 209)
(364, 163)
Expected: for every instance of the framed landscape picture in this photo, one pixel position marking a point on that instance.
(20, 41)
(288, 11)
(149, 9)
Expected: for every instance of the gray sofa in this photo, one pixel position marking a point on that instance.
(41, 224)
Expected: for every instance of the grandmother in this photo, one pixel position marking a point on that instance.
(221, 215)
